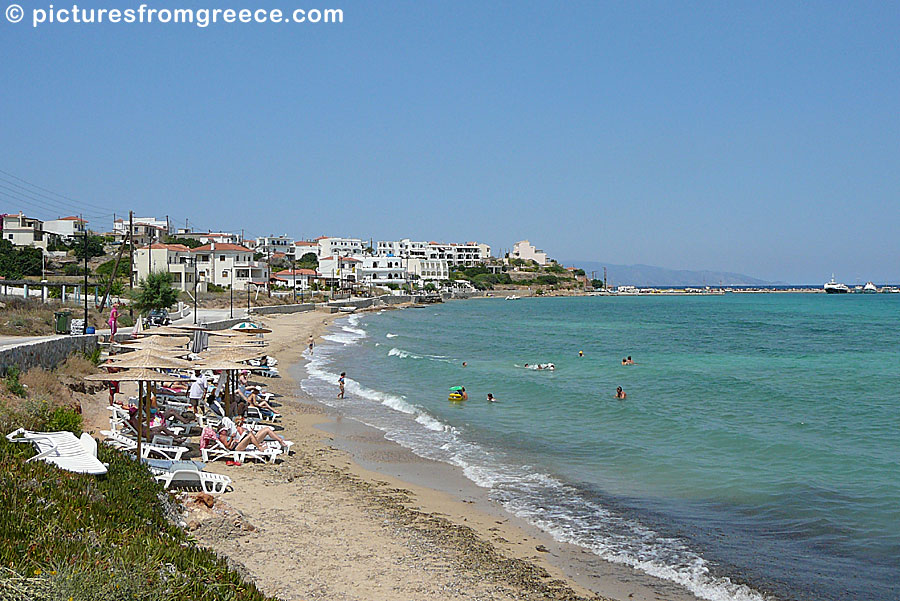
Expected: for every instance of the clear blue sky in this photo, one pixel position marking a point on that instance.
(753, 137)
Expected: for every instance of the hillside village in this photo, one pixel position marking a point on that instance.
(203, 264)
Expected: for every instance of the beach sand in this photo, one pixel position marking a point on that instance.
(350, 515)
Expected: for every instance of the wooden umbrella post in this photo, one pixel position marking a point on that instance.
(140, 432)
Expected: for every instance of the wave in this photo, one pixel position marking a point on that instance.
(389, 335)
(565, 512)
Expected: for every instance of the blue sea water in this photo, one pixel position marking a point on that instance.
(756, 455)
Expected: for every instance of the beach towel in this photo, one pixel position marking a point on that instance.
(207, 437)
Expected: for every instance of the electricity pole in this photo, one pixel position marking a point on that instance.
(131, 251)
(194, 261)
(231, 306)
(85, 278)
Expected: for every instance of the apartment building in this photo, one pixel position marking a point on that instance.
(175, 259)
(269, 245)
(328, 246)
(66, 227)
(526, 250)
(23, 231)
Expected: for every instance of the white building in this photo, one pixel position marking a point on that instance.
(301, 279)
(468, 254)
(329, 246)
(428, 269)
(120, 226)
(381, 270)
(339, 269)
(66, 227)
(23, 231)
(302, 247)
(526, 251)
(173, 258)
(269, 245)
(208, 237)
(402, 248)
(230, 265)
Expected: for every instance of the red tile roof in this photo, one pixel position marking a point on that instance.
(304, 243)
(172, 247)
(351, 259)
(221, 246)
(73, 219)
(297, 272)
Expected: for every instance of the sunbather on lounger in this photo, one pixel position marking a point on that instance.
(239, 438)
(155, 428)
(251, 397)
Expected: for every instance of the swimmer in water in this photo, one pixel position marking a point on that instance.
(624, 361)
(491, 398)
(620, 394)
(465, 395)
(465, 364)
(629, 361)
(581, 353)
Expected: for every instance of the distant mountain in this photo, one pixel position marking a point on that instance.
(648, 275)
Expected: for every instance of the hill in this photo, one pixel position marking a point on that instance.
(649, 275)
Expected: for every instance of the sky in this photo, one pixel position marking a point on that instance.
(753, 137)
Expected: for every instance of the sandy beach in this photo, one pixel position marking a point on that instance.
(350, 515)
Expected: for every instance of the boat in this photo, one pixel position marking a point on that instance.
(513, 297)
(833, 287)
(869, 288)
(347, 309)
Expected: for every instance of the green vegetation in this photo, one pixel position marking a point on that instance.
(189, 242)
(215, 288)
(94, 247)
(74, 269)
(12, 381)
(106, 269)
(598, 284)
(18, 262)
(155, 292)
(308, 261)
(75, 537)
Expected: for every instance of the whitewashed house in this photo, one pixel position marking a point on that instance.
(175, 259)
(526, 251)
(66, 227)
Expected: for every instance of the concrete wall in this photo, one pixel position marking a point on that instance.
(298, 308)
(45, 353)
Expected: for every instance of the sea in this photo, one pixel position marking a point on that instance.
(756, 455)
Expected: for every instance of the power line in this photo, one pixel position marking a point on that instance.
(77, 202)
(36, 203)
(45, 200)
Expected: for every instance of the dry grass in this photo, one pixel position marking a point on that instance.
(46, 385)
(20, 317)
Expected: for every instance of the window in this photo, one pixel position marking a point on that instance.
(224, 273)
(221, 257)
(10, 236)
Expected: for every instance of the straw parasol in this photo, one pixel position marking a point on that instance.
(165, 341)
(139, 375)
(166, 331)
(148, 359)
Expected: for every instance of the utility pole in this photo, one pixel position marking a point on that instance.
(131, 252)
(85, 277)
(231, 305)
(604, 278)
(168, 230)
(194, 261)
(294, 280)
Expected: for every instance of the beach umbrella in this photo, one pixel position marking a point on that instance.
(146, 358)
(166, 341)
(249, 326)
(139, 375)
(167, 331)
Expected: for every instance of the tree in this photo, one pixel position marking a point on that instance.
(94, 247)
(106, 269)
(17, 262)
(308, 261)
(156, 292)
(189, 242)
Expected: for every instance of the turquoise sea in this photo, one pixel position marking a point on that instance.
(756, 455)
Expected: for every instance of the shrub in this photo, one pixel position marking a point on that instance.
(12, 381)
(73, 269)
(64, 418)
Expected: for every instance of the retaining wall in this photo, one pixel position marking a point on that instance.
(45, 353)
(298, 308)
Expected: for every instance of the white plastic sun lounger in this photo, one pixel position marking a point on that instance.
(220, 451)
(188, 474)
(63, 450)
(118, 441)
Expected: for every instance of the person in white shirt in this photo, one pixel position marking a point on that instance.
(198, 390)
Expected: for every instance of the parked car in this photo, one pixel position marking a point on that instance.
(157, 317)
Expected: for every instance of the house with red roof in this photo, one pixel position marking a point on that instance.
(66, 227)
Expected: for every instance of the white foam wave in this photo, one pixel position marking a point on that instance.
(399, 352)
(389, 335)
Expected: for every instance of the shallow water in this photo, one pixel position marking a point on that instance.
(756, 454)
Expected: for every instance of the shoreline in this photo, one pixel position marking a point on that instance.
(497, 555)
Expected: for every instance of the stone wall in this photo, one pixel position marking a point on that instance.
(45, 353)
(298, 308)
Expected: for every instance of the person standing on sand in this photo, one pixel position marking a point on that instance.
(341, 385)
(310, 341)
(198, 389)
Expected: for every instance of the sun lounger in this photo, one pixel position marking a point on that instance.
(118, 441)
(188, 474)
(63, 450)
(219, 451)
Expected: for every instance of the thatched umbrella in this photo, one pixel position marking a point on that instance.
(227, 366)
(150, 359)
(139, 375)
(166, 331)
(163, 341)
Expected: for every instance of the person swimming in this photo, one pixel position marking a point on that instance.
(620, 394)
(581, 353)
(491, 398)
(465, 395)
